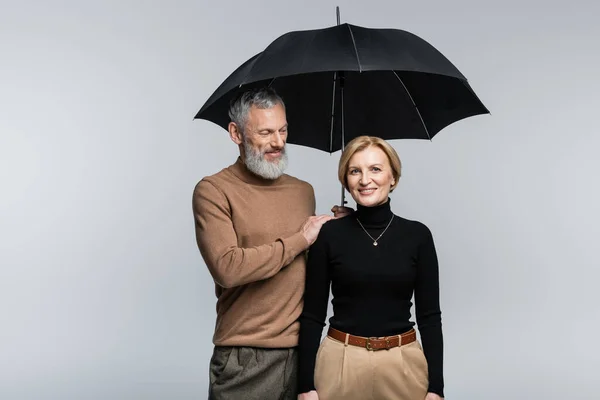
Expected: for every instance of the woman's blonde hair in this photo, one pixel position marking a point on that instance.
(360, 143)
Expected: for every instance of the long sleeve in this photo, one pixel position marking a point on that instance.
(229, 264)
(428, 313)
(312, 319)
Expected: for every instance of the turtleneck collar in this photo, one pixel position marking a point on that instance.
(240, 170)
(376, 216)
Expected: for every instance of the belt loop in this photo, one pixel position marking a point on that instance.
(346, 341)
(400, 340)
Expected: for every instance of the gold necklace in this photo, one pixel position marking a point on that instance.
(378, 237)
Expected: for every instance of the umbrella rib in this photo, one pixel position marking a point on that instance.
(355, 49)
(413, 102)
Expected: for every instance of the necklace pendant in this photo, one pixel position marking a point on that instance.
(374, 243)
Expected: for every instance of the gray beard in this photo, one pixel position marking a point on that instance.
(256, 163)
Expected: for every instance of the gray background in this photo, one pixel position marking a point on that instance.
(103, 293)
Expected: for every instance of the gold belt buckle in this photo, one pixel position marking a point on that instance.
(370, 348)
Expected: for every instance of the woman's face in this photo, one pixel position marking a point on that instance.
(370, 177)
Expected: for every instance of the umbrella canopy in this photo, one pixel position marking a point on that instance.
(345, 81)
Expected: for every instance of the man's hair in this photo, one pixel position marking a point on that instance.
(361, 143)
(262, 98)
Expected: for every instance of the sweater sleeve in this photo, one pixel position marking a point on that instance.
(312, 319)
(428, 313)
(229, 264)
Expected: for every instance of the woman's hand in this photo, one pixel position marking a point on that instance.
(312, 395)
(433, 396)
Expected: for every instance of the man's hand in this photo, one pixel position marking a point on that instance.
(312, 227)
(433, 396)
(341, 211)
(312, 395)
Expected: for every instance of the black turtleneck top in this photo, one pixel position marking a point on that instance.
(372, 286)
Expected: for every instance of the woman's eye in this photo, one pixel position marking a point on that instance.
(377, 169)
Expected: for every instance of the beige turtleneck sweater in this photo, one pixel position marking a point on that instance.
(248, 232)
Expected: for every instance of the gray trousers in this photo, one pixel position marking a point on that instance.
(249, 373)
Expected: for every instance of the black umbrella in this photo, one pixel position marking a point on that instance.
(345, 81)
(388, 83)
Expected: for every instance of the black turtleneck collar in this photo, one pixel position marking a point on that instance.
(374, 217)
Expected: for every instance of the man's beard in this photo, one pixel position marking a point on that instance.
(255, 162)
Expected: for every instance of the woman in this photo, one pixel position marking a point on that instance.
(374, 261)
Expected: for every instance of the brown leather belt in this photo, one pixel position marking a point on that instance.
(374, 343)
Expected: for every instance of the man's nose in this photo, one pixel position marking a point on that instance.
(277, 140)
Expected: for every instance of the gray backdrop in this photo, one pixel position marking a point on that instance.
(103, 293)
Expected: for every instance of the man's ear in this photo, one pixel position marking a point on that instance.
(235, 133)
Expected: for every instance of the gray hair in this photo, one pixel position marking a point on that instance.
(262, 98)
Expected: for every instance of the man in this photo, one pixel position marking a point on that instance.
(253, 226)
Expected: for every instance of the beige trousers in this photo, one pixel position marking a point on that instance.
(353, 373)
